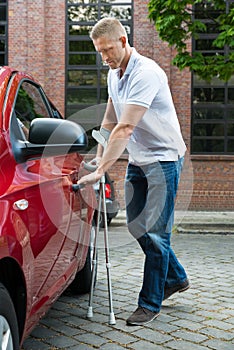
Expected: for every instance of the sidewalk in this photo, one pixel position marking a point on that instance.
(205, 222)
(202, 318)
(198, 221)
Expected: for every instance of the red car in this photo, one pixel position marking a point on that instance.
(45, 226)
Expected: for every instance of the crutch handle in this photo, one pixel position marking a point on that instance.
(90, 167)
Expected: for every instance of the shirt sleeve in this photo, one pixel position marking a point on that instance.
(143, 88)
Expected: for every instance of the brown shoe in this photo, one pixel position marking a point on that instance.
(141, 316)
(182, 287)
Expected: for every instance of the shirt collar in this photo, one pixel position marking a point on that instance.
(130, 64)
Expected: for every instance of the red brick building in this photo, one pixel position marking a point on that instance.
(38, 37)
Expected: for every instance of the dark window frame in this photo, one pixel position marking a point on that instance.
(197, 106)
(98, 67)
(4, 37)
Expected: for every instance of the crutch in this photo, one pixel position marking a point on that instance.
(101, 137)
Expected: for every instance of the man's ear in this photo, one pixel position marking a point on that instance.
(123, 40)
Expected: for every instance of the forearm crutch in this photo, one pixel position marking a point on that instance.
(102, 139)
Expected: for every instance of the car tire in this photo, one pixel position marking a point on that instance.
(102, 219)
(9, 335)
(82, 281)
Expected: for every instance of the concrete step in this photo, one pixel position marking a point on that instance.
(204, 222)
(195, 222)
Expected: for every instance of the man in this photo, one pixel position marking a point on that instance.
(140, 115)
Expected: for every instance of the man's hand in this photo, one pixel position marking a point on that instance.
(90, 179)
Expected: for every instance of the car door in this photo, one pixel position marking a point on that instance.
(45, 213)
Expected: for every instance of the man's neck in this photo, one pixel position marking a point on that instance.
(126, 59)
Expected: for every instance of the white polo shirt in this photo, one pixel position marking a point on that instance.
(157, 137)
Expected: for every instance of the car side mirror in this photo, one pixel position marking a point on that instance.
(50, 137)
(49, 131)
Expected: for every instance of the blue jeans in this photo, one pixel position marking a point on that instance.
(150, 192)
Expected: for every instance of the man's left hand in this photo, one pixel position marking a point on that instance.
(89, 179)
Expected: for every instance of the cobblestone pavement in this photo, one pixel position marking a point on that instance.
(200, 318)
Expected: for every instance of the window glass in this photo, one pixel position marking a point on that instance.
(75, 29)
(81, 46)
(230, 146)
(2, 59)
(208, 129)
(205, 44)
(208, 114)
(104, 95)
(230, 114)
(2, 45)
(83, 96)
(82, 59)
(88, 2)
(86, 75)
(120, 12)
(30, 104)
(208, 146)
(104, 74)
(231, 95)
(209, 95)
(82, 77)
(82, 13)
(212, 102)
(206, 10)
(3, 33)
(2, 13)
(230, 129)
(2, 30)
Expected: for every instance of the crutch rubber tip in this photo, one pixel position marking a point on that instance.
(112, 318)
(90, 312)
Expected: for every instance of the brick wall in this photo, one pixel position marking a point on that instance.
(206, 183)
(37, 43)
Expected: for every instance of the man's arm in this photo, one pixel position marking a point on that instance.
(118, 141)
(109, 122)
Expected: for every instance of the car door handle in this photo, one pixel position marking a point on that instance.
(76, 187)
(21, 204)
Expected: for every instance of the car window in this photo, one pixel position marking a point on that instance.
(30, 104)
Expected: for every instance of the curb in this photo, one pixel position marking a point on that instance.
(195, 222)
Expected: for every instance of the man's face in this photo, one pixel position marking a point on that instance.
(112, 51)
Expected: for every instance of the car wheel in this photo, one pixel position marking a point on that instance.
(102, 219)
(82, 281)
(9, 337)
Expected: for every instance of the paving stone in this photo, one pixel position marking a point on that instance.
(62, 342)
(219, 324)
(140, 345)
(193, 326)
(202, 318)
(35, 344)
(218, 334)
(120, 337)
(185, 345)
(43, 332)
(190, 336)
(218, 345)
(80, 347)
(152, 335)
(112, 346)
(91, 339)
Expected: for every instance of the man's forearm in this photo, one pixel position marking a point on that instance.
(117, 143)
(112, 153)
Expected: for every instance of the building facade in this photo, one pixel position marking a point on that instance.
(50, 40)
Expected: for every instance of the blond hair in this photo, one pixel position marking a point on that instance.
(109, 27)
